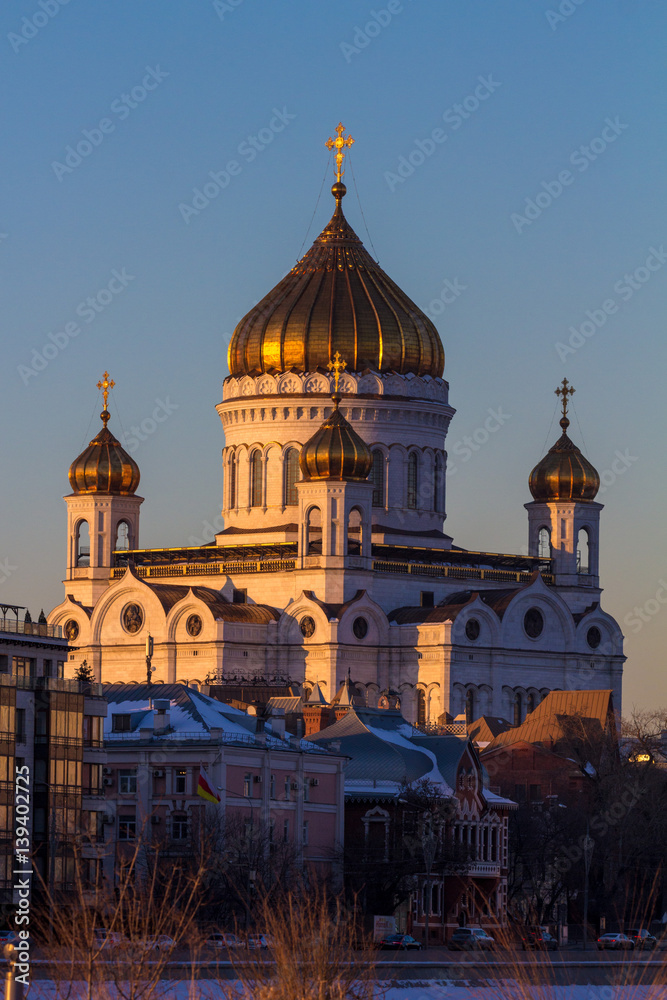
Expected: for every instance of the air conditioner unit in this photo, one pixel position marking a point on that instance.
(108, 782)
(108, 819)
(257, 779)
(107, 770)
(294, 786)
(155, 820)
(315, 782)
(158, 774)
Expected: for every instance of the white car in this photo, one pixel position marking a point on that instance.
(224, 940)
(159, 942)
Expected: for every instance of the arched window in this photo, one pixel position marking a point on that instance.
(413, 461)
(421, 707)
(314, 532)
(544, 543)
(582, 551)
(122, 536)
(354, 531)
(470, 706)
(377, 478)
(518, 706)
(291, 467)
(256, 497)
(232, 480)
(530, 703)
(82, 544)
(439, 485)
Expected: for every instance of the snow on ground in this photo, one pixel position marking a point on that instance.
(427, 990)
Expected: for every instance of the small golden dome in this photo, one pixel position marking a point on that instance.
(104, 466)
(335, 451)
(336, 296)
(564, 473)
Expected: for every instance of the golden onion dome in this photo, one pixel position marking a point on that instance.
(564, 473)
(335, 451)
(336, 297)
(104, 466)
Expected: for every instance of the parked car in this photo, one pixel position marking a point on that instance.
(470, 939)
(223, 940)
(615, 942)
(158, 942)
(538, 937)
(8, 937)
(103, 938)
(257, 942)
(643, 939)
(400, 941)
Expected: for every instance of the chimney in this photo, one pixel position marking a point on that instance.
(278, 722)
(161, 718)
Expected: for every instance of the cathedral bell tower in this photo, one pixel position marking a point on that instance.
(102, 510)
(563, 519)
(335, 499)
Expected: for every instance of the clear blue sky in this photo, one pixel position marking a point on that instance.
(201, 79)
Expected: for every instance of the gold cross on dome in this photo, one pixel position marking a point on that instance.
(337, 366)
(105, 384)
(338, 144)
(565, 391)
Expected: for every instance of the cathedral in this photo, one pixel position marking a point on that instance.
(333, 565)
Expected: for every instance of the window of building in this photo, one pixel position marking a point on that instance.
(470, 706)
(247, 786)
(272, 786)
(127, 781)
(305, 831)
(60, 668)
(92, 779)
(20, 725)
(285, 831)
(239, 596)
(314, 532)
(306, 790)
(518, 707)
(41, 775)
(232, 480)
(377, 478)
(439, 485)
(48, 668)
(354, 533)
(544, 543)
(291, 477)
(92, 730)
(535, 793)
(24, 666)
(180, 781)
(41, 722)
(413, 467)
(421, 707)
(427, 598)
(583, 553)
(287, 789)
(4, 663)
(82, 544)
(122, 536)
(520, 793)
(121, 723)
(127, 827)
(179, 826)
(256, 492)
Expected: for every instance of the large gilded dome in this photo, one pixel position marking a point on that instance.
(335, 451)
(104, 466)
(336, 299)
(564, 473)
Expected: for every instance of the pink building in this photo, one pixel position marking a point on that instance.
(274, 788)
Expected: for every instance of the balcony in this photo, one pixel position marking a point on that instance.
(484, 868)
(31, 628)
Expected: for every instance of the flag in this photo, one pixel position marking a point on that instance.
(205, 788)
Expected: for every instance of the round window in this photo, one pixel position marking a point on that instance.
(360, 627)
(472, 629)
(594, 637)
(193, 625)
(533, 623)
(71, 630)
(307, 626)
(132, 618)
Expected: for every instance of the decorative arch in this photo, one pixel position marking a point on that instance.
(544, 543)
(355, 529)
(313, 524)
(256, 479)
(123, 539)
(583, 550)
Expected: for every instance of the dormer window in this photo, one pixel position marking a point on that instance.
(121, 723)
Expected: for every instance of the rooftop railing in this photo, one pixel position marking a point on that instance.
(38, 629)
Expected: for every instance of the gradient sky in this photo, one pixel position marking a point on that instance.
(220, 73)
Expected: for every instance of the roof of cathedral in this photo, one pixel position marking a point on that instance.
(486, 728)
(316, 697)
(452, 605)
(564, 474)
(170, 594)
(551, 722)
(333, 610)
(335, 451)
(104, 466)
(336, 298)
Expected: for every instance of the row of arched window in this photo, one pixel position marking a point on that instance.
(291, 474)
(583, 548)
(82, 541)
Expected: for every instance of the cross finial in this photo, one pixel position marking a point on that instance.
(339, 144)
(105, 384)
(565, 390)
(336, 366)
